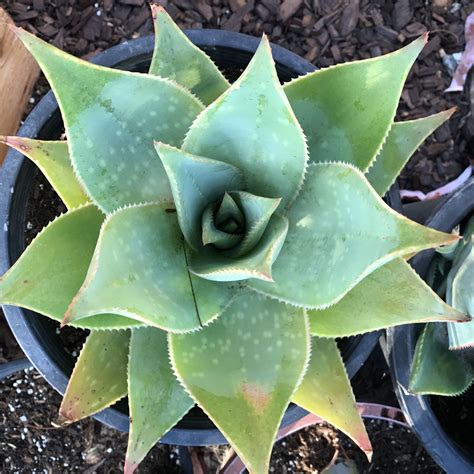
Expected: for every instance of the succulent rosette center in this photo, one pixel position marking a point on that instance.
(223, 224)
(232, 234)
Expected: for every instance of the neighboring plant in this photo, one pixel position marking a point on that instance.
(443, 363)
(220, 237)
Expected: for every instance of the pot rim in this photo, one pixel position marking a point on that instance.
(119, 56)
(401, 342)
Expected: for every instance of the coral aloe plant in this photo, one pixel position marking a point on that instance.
(220, 237)
(443, 363)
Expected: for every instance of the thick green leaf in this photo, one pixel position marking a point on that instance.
(111, 119)
(212, 264)
(139, 270)
(99, 378)
(156, 399)
(340, 231)
(51, 270)
(175, 57)
(391, 295)
(347, 110)
(252, 127)
(243, 370)
(52, 158)
(196, 183)
(326, 391)
(437, 370)
(232, 232)
(460, 294)
(257, 213)
(402, 141)
(228, 209)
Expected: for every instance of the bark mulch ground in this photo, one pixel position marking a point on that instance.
(325, 32)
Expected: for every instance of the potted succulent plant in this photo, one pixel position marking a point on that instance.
(220, 237)
(432, 365)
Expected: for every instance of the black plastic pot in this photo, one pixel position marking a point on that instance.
(401, 343)
(37, 334)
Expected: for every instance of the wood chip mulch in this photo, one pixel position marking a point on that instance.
(325, 32)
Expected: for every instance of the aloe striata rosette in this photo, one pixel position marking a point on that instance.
(443, 363)
(220, 237)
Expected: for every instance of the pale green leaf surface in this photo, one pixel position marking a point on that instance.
(156, 399)
(51, 270)
(99, 377)
(252, 127)
(347, 110)
(211, 234)
(243, 369)
(257, 213)
(111, 119)
(176, 57)
(139, 270)
(340, 231)
(326, 392)
(228, 209)
(391, 295)
(460, 294)
(436, 370)
(212, 264)
(403, 139)
(196, 182)
(52, 158)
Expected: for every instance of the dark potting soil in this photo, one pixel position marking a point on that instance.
(396, 450)
(456, 415)
(31, 442)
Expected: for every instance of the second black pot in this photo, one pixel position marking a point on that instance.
(37, 334)
(401, 342)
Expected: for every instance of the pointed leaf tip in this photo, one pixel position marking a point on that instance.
(333, 254)
(402, 141)
(157, 9)
(156, 399)
(326, 392)
(269, 146)
(120, 102)
(99, 377)
(129, 467)
(52, 158)
(245, 383)
(154, 289)
(337, 111)
(176, 57)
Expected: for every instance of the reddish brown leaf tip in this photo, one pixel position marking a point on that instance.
(369, 453)
(451, 111)
(130, 467)
(15, 29)
(63, 419)
(156, 10)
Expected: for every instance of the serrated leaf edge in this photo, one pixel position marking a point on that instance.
(156, 10)
(64, 420)
(336, 66)
(128, 469)
(353, 399)
(299, 381)
(376, 264)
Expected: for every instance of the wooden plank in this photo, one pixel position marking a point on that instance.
(18, 74)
